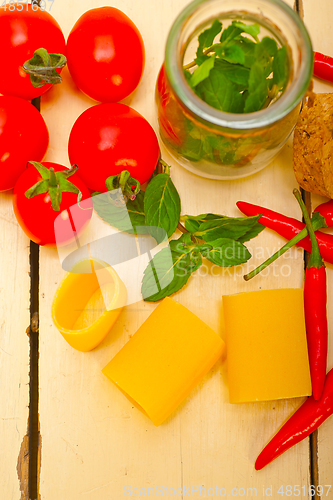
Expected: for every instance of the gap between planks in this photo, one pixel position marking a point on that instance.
(29, 459)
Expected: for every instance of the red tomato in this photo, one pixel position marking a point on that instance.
(109, 138)
(39, 221)
(105, 54)
(22, 31)
(23, 137)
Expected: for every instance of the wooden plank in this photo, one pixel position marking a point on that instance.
(316, 21)
(94, 442)
(14, 353)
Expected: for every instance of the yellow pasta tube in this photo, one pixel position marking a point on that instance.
(164, 360)
(266, 344)
(87, 303)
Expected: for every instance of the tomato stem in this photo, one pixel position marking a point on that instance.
(128, 185)
(53, 179)
(42, 67)
(53, 183)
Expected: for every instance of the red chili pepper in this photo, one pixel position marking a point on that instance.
(315, 301)
(300, 425)
(289, 227)
(323, 66)
(326, 210)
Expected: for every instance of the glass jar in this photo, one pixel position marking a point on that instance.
(213, 143)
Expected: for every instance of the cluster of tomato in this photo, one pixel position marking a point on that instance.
(105, 139)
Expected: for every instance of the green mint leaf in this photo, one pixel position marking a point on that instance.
(204, 217)
(280, 68)
(202, 71)
(226, 252)
(231, 53)
(191, 225)
(258, 89)
(248, 47)
(221, 93)
(164, 275)
(234, 72)
(250, 29)
(188, 75)
(192, 149)
(129, 218)
(265, 51)
(269, 45)
(230, 33)
(162, 203)
(252, 233)
(206, 38)
(226, 227)
(193, 222)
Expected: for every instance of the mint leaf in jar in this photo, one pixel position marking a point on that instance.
(206, 39)
(239, 73)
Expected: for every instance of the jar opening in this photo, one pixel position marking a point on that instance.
(276, 20)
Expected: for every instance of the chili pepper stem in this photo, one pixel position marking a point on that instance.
(317, 223)
(302, 234)
(315, 257)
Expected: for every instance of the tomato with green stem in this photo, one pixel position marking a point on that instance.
(23, 135)
(109, 138)
(32, 49)
(51, 203)
(105, 54)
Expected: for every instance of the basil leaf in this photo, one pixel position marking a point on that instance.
(226, 252)
(202, 72)
(163, 277)
(127, 217)
(206, 38)
(258, 89)
(280, 68)
(162, 204)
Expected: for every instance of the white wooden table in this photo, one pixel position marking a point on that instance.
(94, 445)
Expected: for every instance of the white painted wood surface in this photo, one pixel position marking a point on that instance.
(318, 21)
(14, 348)
(94, 443)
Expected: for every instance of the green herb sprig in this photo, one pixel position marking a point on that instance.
(217, 238)
(239, 73)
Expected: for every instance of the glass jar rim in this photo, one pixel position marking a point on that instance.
(238, 121)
